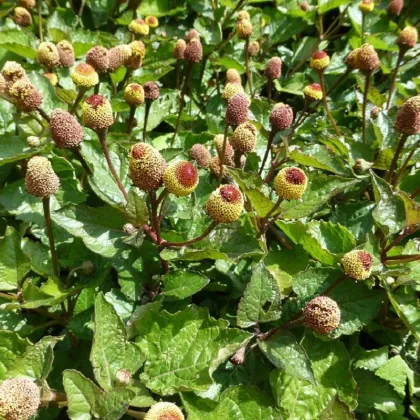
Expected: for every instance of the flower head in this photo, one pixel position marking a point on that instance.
(395, 7)
(52, 77)
(231, 89)
(179, 49)
(408, 117)
(151, 91)
(244, 138)
(237, 110)
(243, 15)
(134, 94)
(290, 183)
(65, 129)
(322, 314)
(233, 76)
(281, 117)
(139, 27)
(253, 48)
(98, 58)
(366, 6)
(273, 68)
(407, 39)
(97, 113)
(244, 28)
(218, 144)
(119, 56)
(352, 59)
(225, 204)
(22, 17)
(41, 180)
(319, 61)
(47, 54)
(164, 411)
(180, 178)
(27, 97)
(367, 58)
(66, 53)
(201, 155)
(192, 34)
(84, 76)
(357, 264)
(152, 21)
(27, 4)
(12, 72)
(313, 92)
(193, 51)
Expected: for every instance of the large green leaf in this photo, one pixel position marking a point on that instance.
(181, 284)
(19, 42)
(15, 148)
(102, 10)
(12, 347)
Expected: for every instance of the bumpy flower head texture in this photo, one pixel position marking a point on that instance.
(243, 15)
(192, 34)
(319, 61)
(47, 54)
(395, 7)
(19, 399)
(231, 89)
(352, 59)
(138, 52)
(152, 21)
(408, 117)
(164, 411)
(151, 91)
(322, 315)
(313, 92)
(366, 6)
(281, 117)
(201, 155)
(225, 204)
(290, 183)
(134, 94)
(28, 98)
(119, 56)
(41, 180)
(98, 58)
(22, 17)
(147, 167)
(273, 68)
(357, 264)
(12, 72)
(97, 113)
(139, 27)
(237, 110)
(27, 4)
(244, 28)
(218, 144)
(233, 76)
(52, 77)
(367, 58)
(2, 84)
(193, 51)
(65, 129)
(179, 49)
(244, 138)
(253, 48)
(66, 53)
(84, 76)
(180, 178)
(408, 38)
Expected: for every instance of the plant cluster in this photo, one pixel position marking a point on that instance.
(216, 222)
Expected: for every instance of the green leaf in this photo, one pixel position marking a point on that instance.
(395, 371)
(181, 284)
(14, 264)
(136, 211)
(326, 5)
(337, 410)
(22, 43)
(262, 299)
(372, 359)
(160, 8)
(12, 347)
(113, 404)
(331, 366)
(102, 10)
(15, 148)
(183, 349)
(111, 350)
(285, 353)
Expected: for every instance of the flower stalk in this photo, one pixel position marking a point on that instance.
(48, 224)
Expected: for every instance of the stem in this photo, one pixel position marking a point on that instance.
(124, 81)
(191, 241)
(401, 142)
(394, 77)
(177, 71)
(8, 297)
(362, 35)
(237, 158)
(404, 167)
(131, 119)
(102, 138)
(146, 118)
(365, 94)
(303, 60)
(96, 88)
(267, 216)
(203, 68)
(162, 196)
(222, 155)
(156, 227)
(238, 5)
(415, 194)
(267, 151)
(41, 35)
(43, 115)
(325, 102)
(47, 215)
(280, 238)
(78, 99)
(338, 81)
(248, 74)
(269, 88)
(287, 325)
(404, 258)
(181, 104)
(78, 154)
(136, 414)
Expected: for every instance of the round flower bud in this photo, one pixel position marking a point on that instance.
(193, 51)
(98, 58)
(118, 56)
(152, 21)
(352, 59)
(12, 72)
(273, 68)
(19, 399)
(22, 17)
(225, 204)
(134, 94)
(407, 39)
(52, 77)
(281, 117)
(41, 180)
(215, 166)
(374, 112)
(231, 89)
(290, 183)
(319, 61)
(97, 113)
(33, 141)
(357, 264)
(164, 410)
(244, 28)
(66, 53)
(253, 48)
(47, 54)
(408, 117)
(192, 34)
(322, 315)
(218, 144)
(201, 155)
(244, 138)
(304, 6)
(243, 15)
(151, 91)
(2, 84)
(87, 268)
(395, 7)
(179, 49)
(313, 92)
(129, 229)
(366, 6)
(237, 110)
(84, 76)
(28, 98)
(181, 178)
(362, 166)
(138, 49)
(139, 27)
(123, 377)
(65, 129)
(233, 76)
(147, 167)
(27, 4)
(367, 58)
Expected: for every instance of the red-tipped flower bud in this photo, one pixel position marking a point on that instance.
(408, 117)
(322, 315)
(225, 204)
(97, 113)
(84, 76)
(201, 155)
(313, 92)
(192, 34)
(98, 58)
(152, 21)
(290, 183)
(218, 144)
(66, 53)
(319, 61)
(65, 129)
(119, 56)
(180, 178)
(357, 264)
(281, 117)
(28, 98)
(244, 28)
(273, 68)
(134, 94)
(41, 180)
(231, 89)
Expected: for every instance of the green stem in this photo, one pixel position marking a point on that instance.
(404, 166)
(327, 108)
(130, 124)
(238, 5)
(362, 35)
(394, 77)
(365, 95)
(80, 158)
(78, 99)
(401, 142)
(125, 80)
(136, 414)
(146, 118)
(47, 216)
(248, 73)
(191, 241)
(267, 151)
(43, 115)
(267, 216)
(269, 89)
(222, 155)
